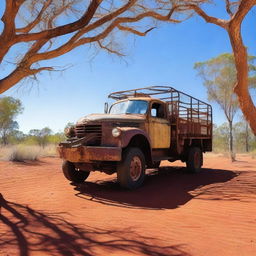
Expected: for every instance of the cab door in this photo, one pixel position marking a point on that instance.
(158, 126)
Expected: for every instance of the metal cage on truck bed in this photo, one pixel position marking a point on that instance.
(189, 117)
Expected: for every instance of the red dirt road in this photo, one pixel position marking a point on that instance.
(174, 213)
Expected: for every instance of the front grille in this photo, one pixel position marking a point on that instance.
(83, 129)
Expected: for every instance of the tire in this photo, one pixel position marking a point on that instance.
(194, 160)
(131, 170)
(73, 174)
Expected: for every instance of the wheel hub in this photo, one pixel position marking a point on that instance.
(135, 168)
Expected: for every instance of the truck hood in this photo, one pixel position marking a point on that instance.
(111, 117)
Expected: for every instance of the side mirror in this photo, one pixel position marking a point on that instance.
(106, 108)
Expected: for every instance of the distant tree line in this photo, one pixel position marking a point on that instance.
(41, 137)
(10, 108)
(244, 140)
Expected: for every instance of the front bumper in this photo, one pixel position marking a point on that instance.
(87, 154)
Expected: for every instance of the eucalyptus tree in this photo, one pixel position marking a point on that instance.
(219, 78)
(236, 11)
(10, 108)
(41, 136)
(36, 31)
(244, 138)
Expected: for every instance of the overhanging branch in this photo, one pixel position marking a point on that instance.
(134, 31)
(210, 19)
(73, 43)
(110, 50)
(36, 21)
(64, 29)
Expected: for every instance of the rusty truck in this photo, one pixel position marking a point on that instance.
(140, 129)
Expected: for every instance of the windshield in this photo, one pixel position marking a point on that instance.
(129, 107)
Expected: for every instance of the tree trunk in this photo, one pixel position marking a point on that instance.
(246, 138)
(231, 146)
(240, 53)
(5, 138)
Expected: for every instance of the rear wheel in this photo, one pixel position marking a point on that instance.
(131, 170)
(194, 160)
(72, 173)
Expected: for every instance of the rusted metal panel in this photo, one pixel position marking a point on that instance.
(159, 132)
(77, 142)
(128, 133)
(107, 138)
(88, 154)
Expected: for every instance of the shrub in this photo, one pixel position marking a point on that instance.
(253, 154)
(24, 152)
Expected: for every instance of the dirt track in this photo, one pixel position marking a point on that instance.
(174, 213)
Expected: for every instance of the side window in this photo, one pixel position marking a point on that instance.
(153, 112)
(157, 110)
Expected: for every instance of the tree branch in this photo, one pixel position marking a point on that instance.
(243, 8)
(104, 19)
(81, 26)
(64, 29)
(134, 31)
(109, 50)
(8, 18)
(73, 43)
(220, 22)
(228, 8)
(36, 21)
(38, 70)
(7, 38)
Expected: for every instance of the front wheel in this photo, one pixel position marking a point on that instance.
(72, 173)
(131, 170)
(194, 160)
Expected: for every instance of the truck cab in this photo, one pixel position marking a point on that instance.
(138, 131)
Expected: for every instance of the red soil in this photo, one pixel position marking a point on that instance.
(174, 213)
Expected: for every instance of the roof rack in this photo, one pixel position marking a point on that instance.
(191, 115)
(165, 93)
(147, 91)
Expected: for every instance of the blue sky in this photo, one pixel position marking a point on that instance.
(164, 57)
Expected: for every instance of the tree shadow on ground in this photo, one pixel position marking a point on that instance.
(242, 188)
(167, 188)
(27, 230)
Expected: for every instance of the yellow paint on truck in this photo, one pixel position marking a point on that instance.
(159, 132)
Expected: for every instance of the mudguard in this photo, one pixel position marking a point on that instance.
(128, 133)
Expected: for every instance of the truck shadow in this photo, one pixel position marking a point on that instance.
(26, 231)
(168, 188)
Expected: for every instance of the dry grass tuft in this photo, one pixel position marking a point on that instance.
(253, 154)
(22, 153)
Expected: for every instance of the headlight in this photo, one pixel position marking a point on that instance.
(70, 131)
(116, 132)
